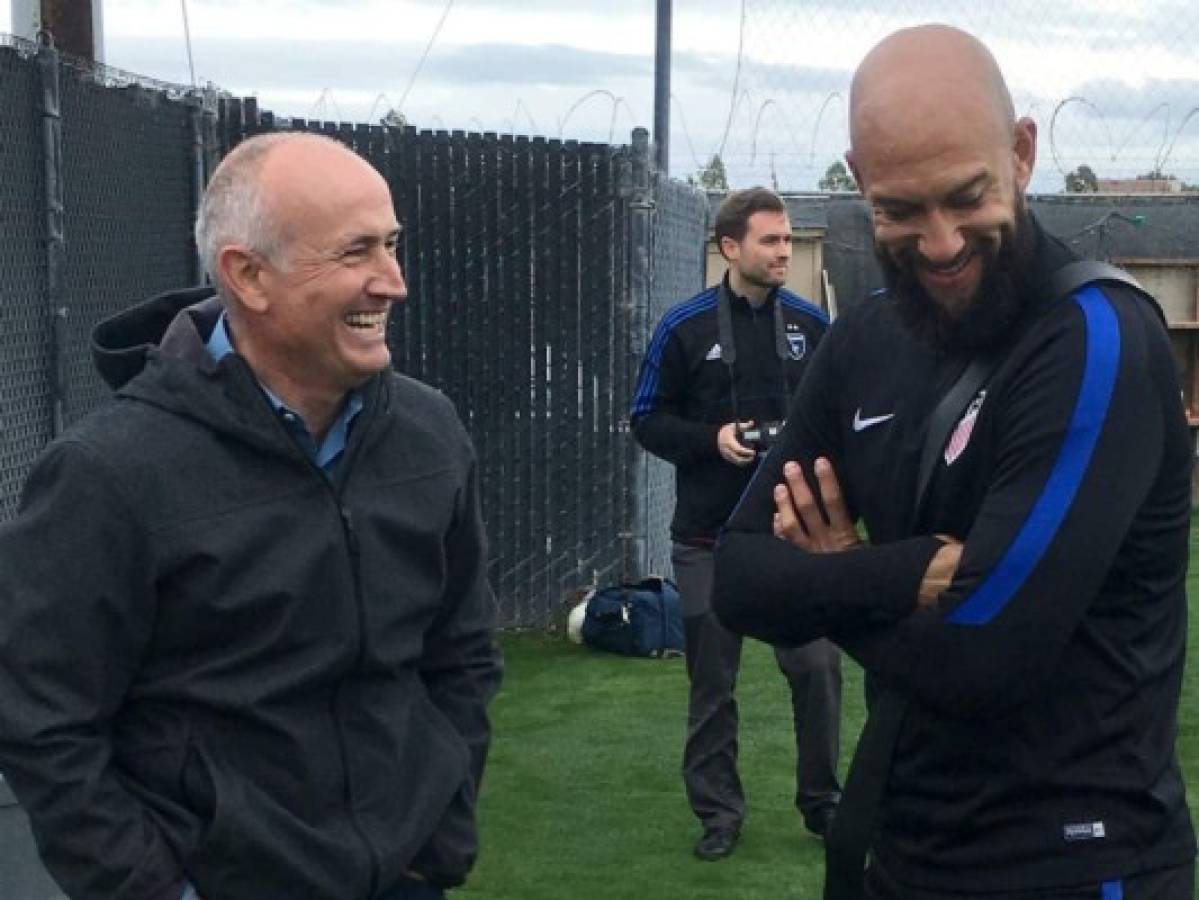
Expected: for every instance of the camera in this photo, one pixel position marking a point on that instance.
(761, 437)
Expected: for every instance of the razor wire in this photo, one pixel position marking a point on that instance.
(1113, 86)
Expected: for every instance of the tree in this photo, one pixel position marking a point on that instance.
(837, 178)
(713, 177)
(394, 119)
(1082, 181)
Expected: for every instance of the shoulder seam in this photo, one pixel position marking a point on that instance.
(679, 314)
(796, 302)
(675, 316)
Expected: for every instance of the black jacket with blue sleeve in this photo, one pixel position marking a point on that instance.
(1038, 748)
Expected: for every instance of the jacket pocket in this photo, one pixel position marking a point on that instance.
(207, 795)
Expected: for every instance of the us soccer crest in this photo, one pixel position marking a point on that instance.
(960, 439)
(798, 342)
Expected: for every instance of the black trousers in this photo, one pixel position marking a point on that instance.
(1164, 884)
(813, 672)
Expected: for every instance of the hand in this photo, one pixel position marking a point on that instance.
(731, 448)
(798, 518)
(939, 574)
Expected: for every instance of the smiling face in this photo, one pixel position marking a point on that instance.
(941, 163)
(317, 318)
(944, 203)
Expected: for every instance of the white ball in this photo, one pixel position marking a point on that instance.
(574, 622)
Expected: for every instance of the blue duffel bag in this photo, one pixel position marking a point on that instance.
(642, 619)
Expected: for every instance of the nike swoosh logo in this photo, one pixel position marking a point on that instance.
(860, 424)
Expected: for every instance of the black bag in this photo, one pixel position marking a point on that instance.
(642, 619)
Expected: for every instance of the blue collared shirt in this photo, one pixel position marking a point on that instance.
(329, 451)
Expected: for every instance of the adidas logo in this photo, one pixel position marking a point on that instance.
(714, 353)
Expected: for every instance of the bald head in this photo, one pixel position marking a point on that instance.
(930, 73)
(943, 164)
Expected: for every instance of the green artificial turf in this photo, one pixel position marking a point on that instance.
(583, 797)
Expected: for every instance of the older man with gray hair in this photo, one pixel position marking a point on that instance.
(248, 640)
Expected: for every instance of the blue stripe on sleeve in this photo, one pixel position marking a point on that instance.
(796, 302)
(1038, 531)
(1112, 890)
(643, 400)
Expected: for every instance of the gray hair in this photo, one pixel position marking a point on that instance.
(235, 210)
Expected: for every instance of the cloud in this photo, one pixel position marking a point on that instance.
(716, 73)
(554, 64)
(255, 65)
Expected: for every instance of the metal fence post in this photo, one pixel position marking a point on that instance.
(662, 66)
(636, 186)
(198, 155)
(47, 59)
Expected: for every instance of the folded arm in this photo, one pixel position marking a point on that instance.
(977, 629)
(1081, 433)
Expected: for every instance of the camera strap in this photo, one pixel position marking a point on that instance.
(728, 343)
(853, 827)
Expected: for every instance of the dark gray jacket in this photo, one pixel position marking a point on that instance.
(219, 665)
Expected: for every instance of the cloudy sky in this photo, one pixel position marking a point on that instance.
(1111, 83)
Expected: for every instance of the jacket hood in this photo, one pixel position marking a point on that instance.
(155, 353)
(176, 323)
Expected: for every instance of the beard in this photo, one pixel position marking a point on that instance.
(762, 278)
(983, 319)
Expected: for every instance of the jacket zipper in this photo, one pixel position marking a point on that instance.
(352, 547)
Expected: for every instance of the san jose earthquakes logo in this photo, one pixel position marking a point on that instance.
(965, 428)
(798, 342)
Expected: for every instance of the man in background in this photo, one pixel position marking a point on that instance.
(713, 390)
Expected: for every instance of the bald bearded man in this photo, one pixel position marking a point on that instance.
(1020, 614)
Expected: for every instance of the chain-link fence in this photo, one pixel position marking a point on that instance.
(25, 351)
(97, 192)
(1113, 86)
(678, 266)
(129, 169)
